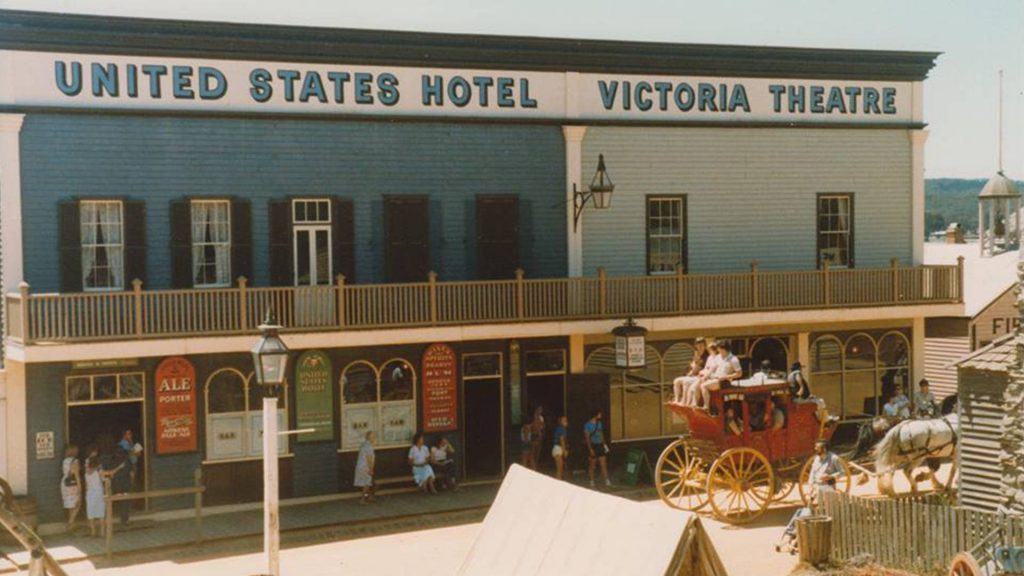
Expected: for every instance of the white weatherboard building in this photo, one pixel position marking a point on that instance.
(407, 204)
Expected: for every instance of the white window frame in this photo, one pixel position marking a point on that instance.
(378, 407)
(311, 226)
(843, 199)
(650, 235)
(217, 245)
(249, 421)
(106, 245)
(306, 202)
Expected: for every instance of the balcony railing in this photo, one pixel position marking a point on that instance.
(138, 313)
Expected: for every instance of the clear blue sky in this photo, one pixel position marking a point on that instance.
(977, 38)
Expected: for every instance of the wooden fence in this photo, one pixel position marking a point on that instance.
(136, 313)
(917, 534)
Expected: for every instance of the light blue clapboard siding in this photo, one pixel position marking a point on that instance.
(159, 159)
(750, 193)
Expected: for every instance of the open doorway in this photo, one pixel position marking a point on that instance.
(100, 408)
(545, 388)
(482, 414)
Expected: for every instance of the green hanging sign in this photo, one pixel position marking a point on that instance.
(314, 397)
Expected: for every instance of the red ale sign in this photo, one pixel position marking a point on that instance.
(176, 406)
(440, 389)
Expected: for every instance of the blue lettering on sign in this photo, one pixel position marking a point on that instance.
(433, 90)
(643, 102)
(739, 99)
(852, 92)
(215, 91)
(104, 78)
(289, 77)
(608, 91)
(261, 89)
(706, 97)
(871, 101)
(777, 91)
(312, 87)
(132, 80)
(817, 100)
(505, 85)
(662, 88)
(181, 82)
(72, 87)
(687, 90)
(338, 79)
(483, 83)
(888, 100)
(458, 91)
(154, 71)
(362, 80)
(835, 101)
(387, 89)
(524, 94)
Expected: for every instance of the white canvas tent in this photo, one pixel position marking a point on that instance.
(539, 525)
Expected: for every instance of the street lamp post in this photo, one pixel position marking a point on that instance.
(270, 357)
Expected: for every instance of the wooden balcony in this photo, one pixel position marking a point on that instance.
(105, 316)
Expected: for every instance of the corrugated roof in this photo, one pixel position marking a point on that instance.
(985, 279)
(996, 357)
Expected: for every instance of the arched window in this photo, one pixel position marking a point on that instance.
(772, 349)
(860, 387)
(893, 364)
(636, 395)
(382, 400)
(234, 416)
(827, 372)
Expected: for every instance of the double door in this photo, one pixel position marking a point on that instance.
(314, 299)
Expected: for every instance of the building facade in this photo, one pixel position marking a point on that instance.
(406, 204)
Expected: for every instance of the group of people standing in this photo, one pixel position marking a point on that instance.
(83, 482)
(533, 433)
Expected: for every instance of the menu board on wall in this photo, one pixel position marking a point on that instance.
(175, 406)
(440, 389)
(314, 398)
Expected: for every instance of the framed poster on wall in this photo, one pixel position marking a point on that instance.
(176, 426)
(314, 396)
(440, 389)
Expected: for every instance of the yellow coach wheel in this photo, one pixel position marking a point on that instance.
(964, 564)
(680, 478)
(740, 485)
(843, 483)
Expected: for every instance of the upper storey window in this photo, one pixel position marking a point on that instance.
(102, 241)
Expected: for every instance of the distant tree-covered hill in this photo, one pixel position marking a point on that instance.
(949, 200)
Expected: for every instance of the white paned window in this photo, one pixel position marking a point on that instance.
(379, 399)
(102, 225)
(234, 417)
(313, 211)
(211, 243)
(835, 230)
(666, 234)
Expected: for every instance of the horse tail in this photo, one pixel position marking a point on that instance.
(885, 451)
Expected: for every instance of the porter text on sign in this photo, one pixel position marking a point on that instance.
(175, 406)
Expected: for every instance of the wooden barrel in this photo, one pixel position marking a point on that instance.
(814, 535)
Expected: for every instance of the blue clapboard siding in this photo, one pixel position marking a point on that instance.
(159, 159)
(750, 194)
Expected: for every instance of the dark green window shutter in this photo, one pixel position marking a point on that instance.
(343, 235)
(181, 243)
(281, 261)
(134, 242)
(241, 239)
(70, 235)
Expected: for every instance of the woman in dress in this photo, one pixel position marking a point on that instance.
(364, 469)
(537, 439)
(419, 459)
(71, 485)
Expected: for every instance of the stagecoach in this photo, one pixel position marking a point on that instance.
(739, 476)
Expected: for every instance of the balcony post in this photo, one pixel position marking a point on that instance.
(23, 290)
(432, 295)
(341, 300)
(826, 285)
(960, 279)
(755, 292)
(602, 291)
(680, 290)
(894, 265)
(243, 315)
(520, 295)
(137, 299)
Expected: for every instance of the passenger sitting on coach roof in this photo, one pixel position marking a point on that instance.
(680, 386)
(726, 371)
(692, 394)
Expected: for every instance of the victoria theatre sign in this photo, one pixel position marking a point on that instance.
(168, 83)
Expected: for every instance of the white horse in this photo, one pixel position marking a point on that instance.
(912, 443)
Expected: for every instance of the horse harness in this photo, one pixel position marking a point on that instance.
(928, 453)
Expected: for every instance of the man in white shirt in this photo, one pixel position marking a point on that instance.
(727, 370)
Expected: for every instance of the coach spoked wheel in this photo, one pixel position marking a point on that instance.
(680, 477)
(740, 485)
(844, 481)
(964, 564)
